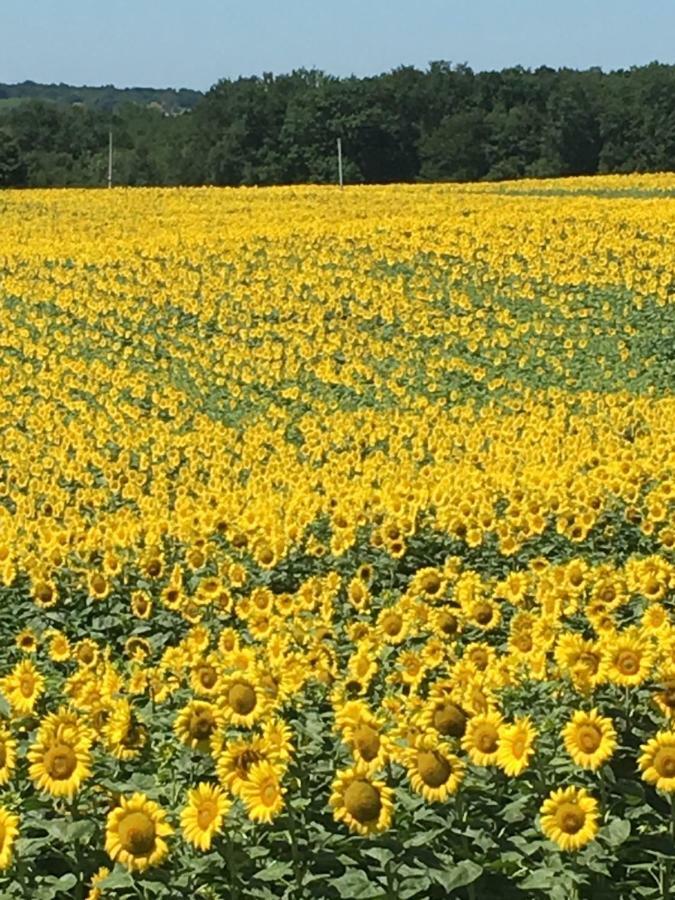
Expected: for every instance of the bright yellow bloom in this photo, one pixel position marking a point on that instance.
(364, 804)
(569, 817)
(516, 746)
(434, 771)
(590, 739)
(9, 828)
(481, 738)
(59, 765)
(657, 762)
(7, 754)
(262, 792)
(135, 833)
(22, 687)
(202, 817)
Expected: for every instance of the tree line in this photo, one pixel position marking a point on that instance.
(445, 123)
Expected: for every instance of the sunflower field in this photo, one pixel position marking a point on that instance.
(337, 542)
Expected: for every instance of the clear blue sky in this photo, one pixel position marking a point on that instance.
(193, 43)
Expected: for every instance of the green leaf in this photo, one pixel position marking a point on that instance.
(539, 880)
(354, 885)
(274, 872)
(515, 811)
(617, 831)
(413, 887)
(381, 854)
(118, 878)
(77, 831)
(465, 872)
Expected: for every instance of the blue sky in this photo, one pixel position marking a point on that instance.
(192, 43)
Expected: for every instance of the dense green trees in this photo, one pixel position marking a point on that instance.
(445, 123)
(12, 167)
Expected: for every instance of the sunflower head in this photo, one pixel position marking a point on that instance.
(434, 771)
(9, 828)
(262, 792)
(657, 762)
(590, 739)
(135, 833)
(203, 815)
(569, 817)
(362, 803)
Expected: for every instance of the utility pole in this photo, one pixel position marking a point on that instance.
(110, 149)
(339, 152)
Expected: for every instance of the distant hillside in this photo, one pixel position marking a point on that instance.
(103, 98)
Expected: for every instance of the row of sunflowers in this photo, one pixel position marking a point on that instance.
(337, 542)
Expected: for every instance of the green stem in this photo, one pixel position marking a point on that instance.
(232, 867)
(79, 888)
(295, 852)
(603, 793)
(391, 881)
(667, 874)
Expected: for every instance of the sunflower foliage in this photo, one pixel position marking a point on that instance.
(337, 542)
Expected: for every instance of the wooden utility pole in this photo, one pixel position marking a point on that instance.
(339, 152)
(110, 154)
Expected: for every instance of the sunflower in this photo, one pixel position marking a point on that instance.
(236, 759)
(569, 816)
(590, 739)
(135, 833)
(243, 703)
(516, 745)
(484, 614)
(87, 653)
(358, 594)
(262, 793)
(434, 771)
(657, 762)
(9, 828)
(628, 658)
(580, 659)
(99, 586)
(228, 641)
(664, 697)
(411, 668)
(368, 744)
(26, 641)
(59, 647)
(95, 892)
(205, 676)
(7, 755)
(141, 604)
(45, 594)
(392, 625)
(362, 803)
(66, 724)
(278, 740)
(363, 665)
(446, 622)
(481, 739)
(429, 582)
(124, 733)
(22, 687)
(137, 648)
(59, 764)
(445, 716)
(196, 722)
(203, 815)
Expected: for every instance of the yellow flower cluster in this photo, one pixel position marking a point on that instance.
(374, 488)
